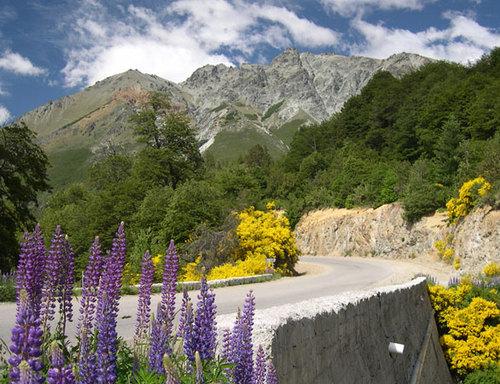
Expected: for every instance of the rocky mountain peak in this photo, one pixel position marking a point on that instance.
(232, 108)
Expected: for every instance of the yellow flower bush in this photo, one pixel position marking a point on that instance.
(158, 267)
(467, 198)
(262, 236)
(471, 338)
(267, 235)
(240, 268)
(444, 248)
(471, 343)
(443, 299)
(249, 267)
(191, 271)
(129, 277)
(492, 269)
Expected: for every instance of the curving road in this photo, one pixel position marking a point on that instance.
(326, 276)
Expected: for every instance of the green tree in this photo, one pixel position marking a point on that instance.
(23, 174)
(172, 148)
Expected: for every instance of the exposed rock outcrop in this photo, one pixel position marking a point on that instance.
(382, 232)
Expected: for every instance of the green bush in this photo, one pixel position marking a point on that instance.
(7, 288)
(484, 376)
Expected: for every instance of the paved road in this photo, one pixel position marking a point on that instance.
(327, 276)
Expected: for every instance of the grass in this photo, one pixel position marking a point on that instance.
(272, 109)
(68, 166)
(229, 146)
(219, 108)
(288, 130)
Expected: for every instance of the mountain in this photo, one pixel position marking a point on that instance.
(232, 108)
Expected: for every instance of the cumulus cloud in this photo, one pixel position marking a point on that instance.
(185, 35)
(14, 62)
(4, 115)
(350, 7)
(463, 41)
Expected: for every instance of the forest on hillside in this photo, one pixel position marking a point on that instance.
(414, 140)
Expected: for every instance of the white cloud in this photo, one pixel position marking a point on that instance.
(350, 7)
(187, 34)
(14, 62)
(463, 41)
(4, 115)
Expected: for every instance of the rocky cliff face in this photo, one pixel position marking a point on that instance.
(382, 232)
(231, 108)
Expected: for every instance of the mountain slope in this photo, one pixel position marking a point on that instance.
(231, 108)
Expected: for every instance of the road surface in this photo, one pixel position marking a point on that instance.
(326, 276)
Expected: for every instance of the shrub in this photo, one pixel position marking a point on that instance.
(468, 196)
(469, 325)
(492, 269)
(444, 248)
(7, 287)
(267, 235)
(471, 343)
(484, 376)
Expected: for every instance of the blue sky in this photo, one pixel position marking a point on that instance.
(49, 48)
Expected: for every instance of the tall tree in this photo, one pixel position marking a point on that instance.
(23, 174)
(170, 140)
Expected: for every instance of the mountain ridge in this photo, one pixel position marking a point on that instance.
(232, 108)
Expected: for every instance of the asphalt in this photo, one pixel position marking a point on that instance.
(324, 277)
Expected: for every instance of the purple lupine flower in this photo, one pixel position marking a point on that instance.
(26, 374)
(204, 323)
(67, 282)
(163, 324)
(58, 372)
(242, 343)
(272, 375)
(200, 379)
(226, 352)
(26, 341)
(169, 287)
(30, 267)
(41, 258)
(90, 287)
(188, 333)
(259, 373)
(107, 309)
(159, 340)
(182, 316)
(53, 275)
(144, 305)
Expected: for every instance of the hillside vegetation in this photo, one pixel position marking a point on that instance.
(414, 139)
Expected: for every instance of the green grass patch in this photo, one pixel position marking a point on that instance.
(68, 166)
(251, 116)
(219, 108)
(229, 146)
(288, 130)
(272, 109)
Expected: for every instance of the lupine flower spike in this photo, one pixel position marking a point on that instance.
(53, 276)
(161, 331)
(144, 303)
(260, 367)
(107, 310)
(272, 376)
(90, 286)
(204, 323)
(26, 342)
(241, 343)
(58, 372)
